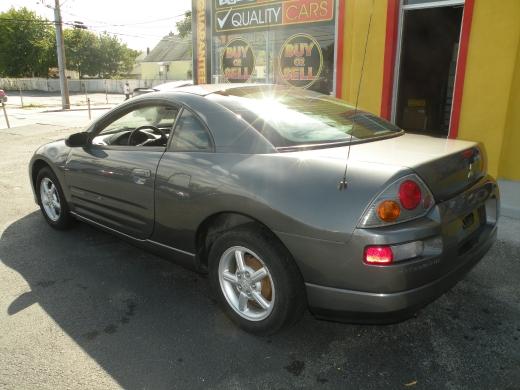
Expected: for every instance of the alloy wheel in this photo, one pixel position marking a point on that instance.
(50, 199)
(246, 283)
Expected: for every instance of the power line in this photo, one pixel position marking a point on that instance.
(75, 24)
(101, 23)
(43, 21)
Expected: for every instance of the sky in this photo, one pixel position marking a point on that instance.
(140, 24)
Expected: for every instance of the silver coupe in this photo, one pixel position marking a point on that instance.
(288, 199)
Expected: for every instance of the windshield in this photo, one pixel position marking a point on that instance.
(290, 117)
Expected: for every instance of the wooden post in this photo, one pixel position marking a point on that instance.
(21, 96)
(85, 87)
(5, 114)
(88, 103)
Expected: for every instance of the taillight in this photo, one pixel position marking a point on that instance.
(378, 255)
(468, 153)
(404, 199)
(410, 194)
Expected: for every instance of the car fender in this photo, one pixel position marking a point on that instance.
(55, 155)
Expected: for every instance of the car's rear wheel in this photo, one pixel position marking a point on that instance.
(52, 201)
(256, 281)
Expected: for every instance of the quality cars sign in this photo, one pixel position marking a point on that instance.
(249, 14)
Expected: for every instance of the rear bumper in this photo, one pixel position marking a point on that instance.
(358, 306)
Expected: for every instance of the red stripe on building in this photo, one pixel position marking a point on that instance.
(392, 22)
(339, 54)
(460, 72)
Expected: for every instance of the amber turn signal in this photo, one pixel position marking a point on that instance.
(388, 210)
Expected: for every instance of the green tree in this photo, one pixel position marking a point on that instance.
(28, 48)
(128, 59)
(109, 55)
(184, 26)
(81, 50)
(26, 44)
(114, 57)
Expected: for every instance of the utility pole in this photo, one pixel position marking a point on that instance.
(65, 101)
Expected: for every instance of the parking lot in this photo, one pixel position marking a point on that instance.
(82, 309)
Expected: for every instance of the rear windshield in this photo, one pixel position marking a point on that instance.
(290, 117)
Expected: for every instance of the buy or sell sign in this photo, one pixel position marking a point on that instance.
(238, 61)
(300, 60)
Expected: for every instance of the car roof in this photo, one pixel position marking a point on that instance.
(173, 85)
(207, 89)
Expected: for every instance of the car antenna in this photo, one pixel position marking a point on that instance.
(343, 184)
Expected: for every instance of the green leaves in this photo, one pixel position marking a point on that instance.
(81, 50)
(184, 26)
(105, 55)
(26, 44)
(28, 48)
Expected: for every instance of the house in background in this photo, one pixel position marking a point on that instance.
(171, 59)
(136, 70)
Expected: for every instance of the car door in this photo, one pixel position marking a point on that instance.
(112, 179)
(185, 182)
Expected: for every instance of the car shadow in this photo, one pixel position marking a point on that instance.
(152, 324)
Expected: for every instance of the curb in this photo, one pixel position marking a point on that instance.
(80, 109)
(509, 198)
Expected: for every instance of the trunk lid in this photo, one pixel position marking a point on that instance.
(447, 166)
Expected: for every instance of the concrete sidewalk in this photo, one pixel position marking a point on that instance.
(510, 198)
(53, 116)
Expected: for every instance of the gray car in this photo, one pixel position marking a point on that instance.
(288, 199)
(163, 87)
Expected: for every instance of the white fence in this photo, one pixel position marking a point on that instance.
(90, 86)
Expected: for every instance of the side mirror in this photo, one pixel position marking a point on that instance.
(77, 140)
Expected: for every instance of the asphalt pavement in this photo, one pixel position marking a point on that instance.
(82, 309)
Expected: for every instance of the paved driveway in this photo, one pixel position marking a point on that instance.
(84, 310)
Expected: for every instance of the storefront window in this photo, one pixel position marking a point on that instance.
(265, 41)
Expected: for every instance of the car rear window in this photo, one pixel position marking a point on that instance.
(290, 117)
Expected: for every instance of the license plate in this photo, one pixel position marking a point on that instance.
(472, 222)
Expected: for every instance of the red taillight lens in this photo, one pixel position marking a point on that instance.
(468, 153)
(410, 194)
(378, 255)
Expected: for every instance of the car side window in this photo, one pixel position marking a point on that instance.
(190, 135)
(143, 126)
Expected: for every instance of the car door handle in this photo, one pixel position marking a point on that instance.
(141, 172)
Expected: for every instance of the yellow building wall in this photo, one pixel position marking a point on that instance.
(149, 70)
(490, 107)
(510, 159)
(178, 70)
(357, 16)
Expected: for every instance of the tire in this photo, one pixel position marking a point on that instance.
(50, 196)
(259, 305)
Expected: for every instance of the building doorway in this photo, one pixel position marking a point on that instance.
(426, 63)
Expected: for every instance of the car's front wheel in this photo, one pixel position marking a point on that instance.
(256, 281)
(52, 200)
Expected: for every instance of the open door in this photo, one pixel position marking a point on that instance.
(426, 64)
